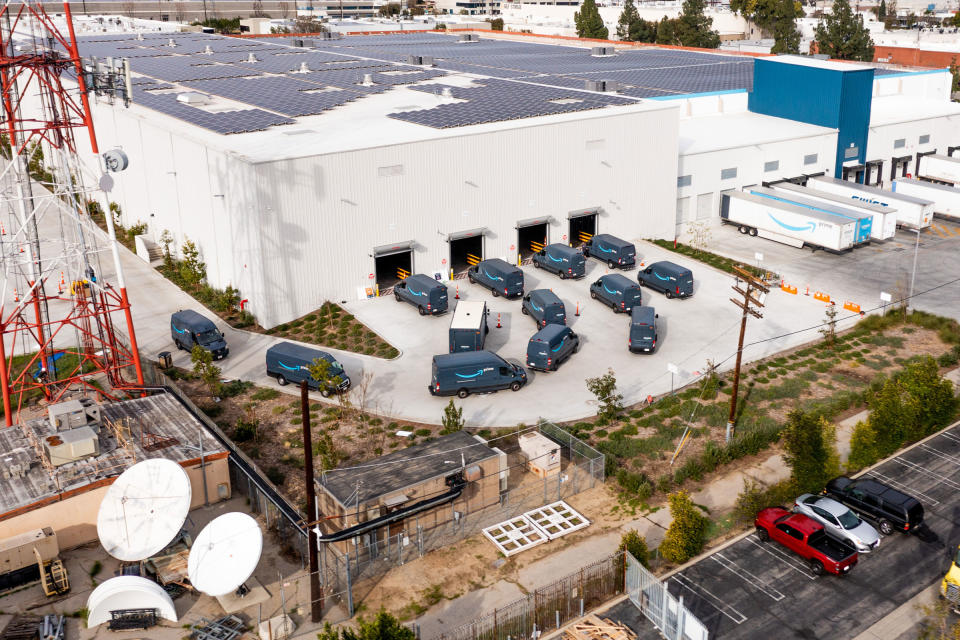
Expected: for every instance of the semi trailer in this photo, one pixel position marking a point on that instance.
(786, 223)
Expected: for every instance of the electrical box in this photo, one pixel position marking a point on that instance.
(542, 453)
(83, 412)
(70, 446)
(16, 552)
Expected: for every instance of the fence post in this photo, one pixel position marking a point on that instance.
(349, 588)
(680, 615)
(558, 617)
(420, 538)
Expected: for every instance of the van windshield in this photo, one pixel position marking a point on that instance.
(208, 337)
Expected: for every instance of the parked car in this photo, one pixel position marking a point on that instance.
(643, 330)
(551, 346)
(561, 259)
(808, 539)
(839, 521)
(189, 329)
(289, 362)
(501, 277)
(668, 278)
(616, 252)
(888, 508)
(544, 307)
(474, 372)
(426, 294)
(617, 291)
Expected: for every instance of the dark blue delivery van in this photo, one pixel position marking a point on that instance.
(501, 277)
(617, 291)
(550, 346)
(426, 294)
(289, 362)
(617, 253)
(474, 372)
(544, 307)
(188, 329)
(668, 278)
(561, 259)
(643, 330)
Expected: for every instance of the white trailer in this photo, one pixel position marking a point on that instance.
(786, 223)
(912, 212)
(939, 168)
(864, 220)
(884, 218)
(946, 199)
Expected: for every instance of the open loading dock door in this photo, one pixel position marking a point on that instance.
(532, 236)
(583, 226)
(466, 249)
(392, 263)
(854, 173)
(900, 167)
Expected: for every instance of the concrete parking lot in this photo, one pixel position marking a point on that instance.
(751, 589)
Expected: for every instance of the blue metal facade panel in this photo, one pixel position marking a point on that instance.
(834, 98)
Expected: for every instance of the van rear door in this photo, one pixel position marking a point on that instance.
(631, 297)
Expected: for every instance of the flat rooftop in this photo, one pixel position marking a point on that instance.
(406, 468)
(157, 426)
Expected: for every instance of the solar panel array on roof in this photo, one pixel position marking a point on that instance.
(240, 121)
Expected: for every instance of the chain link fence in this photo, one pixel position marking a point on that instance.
(651, 596)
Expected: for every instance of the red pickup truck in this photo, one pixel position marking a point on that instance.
(806, 538)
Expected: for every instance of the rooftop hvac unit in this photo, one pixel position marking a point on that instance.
(469, 37)
(426, 61)
(16, 463)
(74, 413)
(70, 446)
(193, 99)
(601, 85)
(252, 58)
(603, 51)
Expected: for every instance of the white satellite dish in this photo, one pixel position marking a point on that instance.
(225, 554)
(128, 592)
(144, 509)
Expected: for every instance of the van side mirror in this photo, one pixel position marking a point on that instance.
(656, 315)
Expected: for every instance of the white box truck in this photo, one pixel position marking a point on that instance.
(912, 212)
(940, 168)
(786, 223)
(884, 218)
(946, 199)
(864, 220)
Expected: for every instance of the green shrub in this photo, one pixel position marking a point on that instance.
(756, 496)
(246, 430)
(684, 538)
(422, 433)
(275, 475)
(265, 393)
(636, 545)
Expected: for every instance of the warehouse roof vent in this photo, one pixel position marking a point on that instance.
(602, 52)
(193, 99)
(367, 80)
(208, 49)
(469, 37)
(601, 85)
(425, 61)
(251, 58)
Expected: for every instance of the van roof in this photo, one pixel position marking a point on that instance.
(467, 358)
(619, 280)
(614, 240)
(643, 314)
(423, 280)
(291, 350)
(191, 317)
(565, 249)
(549, 332)
(666, 265)
(467, 314)
(502, 265)
(545, 296)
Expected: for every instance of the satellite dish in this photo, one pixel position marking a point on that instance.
(128, 592)
(144, 509)
(225, 554)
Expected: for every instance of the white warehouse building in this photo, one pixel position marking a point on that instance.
(328, 171)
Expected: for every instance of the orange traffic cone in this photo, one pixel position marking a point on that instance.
(16, 296)
(457, 295)
(499, 326)
(577, 312)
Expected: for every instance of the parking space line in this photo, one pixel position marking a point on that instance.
(733, 567)
(942, 454)
(896, 484)
(913, 466)
(950, 436)
(710, 599)
(776, 553)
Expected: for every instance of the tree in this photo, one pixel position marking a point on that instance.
(955, 72)
(700, 235)
(193, 271)
(382, 627)
(808, 441)
(204, 369)
(829, 328)
(887, 419)
(258, 11)
(881, 10)
(928, 399)
(841, 34)
(322, 370)
(588, 21)
(863, 448)
(684, 539)
(609, 401)
(632, 28)
(390, 9)
(694, 28)
(326, 451)
(938, 623)
(786, 36)
(636, 545)
(452, 419)
(496, 24)
(667, 31)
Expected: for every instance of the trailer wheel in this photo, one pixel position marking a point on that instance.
(281, 380)
(462, 393)
(753, 232)
(742, 229)
(515, 386)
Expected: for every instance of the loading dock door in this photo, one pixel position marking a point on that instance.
(392, 263)
(854, 173)
(583, 226)
(920, 154)
(899, 167)
(532, 236)
(466, 249)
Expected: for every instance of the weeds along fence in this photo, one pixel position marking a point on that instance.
(550, 607)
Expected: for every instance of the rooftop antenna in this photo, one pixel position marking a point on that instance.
(252, 58)
(225, 554)
(208, 49)
(144, 509)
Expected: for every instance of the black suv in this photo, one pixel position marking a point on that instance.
(888, 508)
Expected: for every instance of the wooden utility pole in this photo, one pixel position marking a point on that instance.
(316, 591)
(753, 291)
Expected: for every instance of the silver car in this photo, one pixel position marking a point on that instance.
(838, 521)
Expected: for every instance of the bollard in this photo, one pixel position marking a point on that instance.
(499, 326)
(457, 295)
(808, 291)
(577, 312)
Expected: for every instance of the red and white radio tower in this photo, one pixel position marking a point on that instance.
(57, 312)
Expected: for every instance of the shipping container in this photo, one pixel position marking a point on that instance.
(939, 168)
(786, 223)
